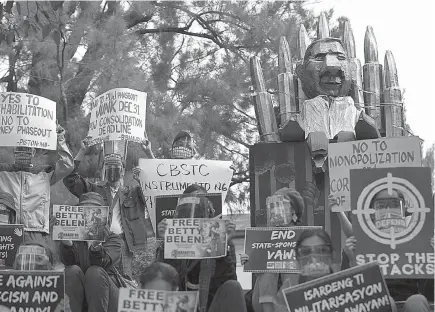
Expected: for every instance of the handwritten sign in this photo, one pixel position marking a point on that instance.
(27, 120)
(118, 114)
(272, 249)
(173, 176)
(393, 220)
(32, 290)
(360, 288)
(11, 236)
(80, 223)
(195, 239)
(147, 300)
(379, 153)
(166, 204)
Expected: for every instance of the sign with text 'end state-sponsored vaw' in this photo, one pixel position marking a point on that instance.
(118, 114)
(379, 153)
(172, 176)
(27, 120)
(361, 288)
(392, 219)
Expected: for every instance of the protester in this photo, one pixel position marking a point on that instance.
(215, 279)
(160, 276)
(183, 146)
(30, 186)
(8, 212)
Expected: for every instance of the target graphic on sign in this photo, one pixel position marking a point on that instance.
(417, 208)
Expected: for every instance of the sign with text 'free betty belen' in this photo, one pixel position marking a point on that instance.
(360, 288)
(27, 120)
(393, 220)
(11, 237)
(272, 249)
(118, 114)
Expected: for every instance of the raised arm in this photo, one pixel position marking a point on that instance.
(64, 164)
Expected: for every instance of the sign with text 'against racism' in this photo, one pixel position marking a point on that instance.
(379, 153)
(38, 291)
(11, 237)
(361, 288)
(272, 249)
(27, 120)
(393, 220)
(148, 300)
(173, 176)
(118, 114)
(80, 223)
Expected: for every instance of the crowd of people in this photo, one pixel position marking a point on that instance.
(95, 271)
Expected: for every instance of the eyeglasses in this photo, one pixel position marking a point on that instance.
(304, 251)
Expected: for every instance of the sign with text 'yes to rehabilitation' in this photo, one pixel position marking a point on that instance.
(272, 249)
(147, 300)
(80, 223)
(27, 120)
(172, 176)
(393, 220)
(11, 237)
(379, 153)
(39, 291)
(195, 239)
(361, 288)
(118, 114)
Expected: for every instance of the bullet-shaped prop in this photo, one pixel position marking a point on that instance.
(287, 82)
(303, 41)
(323, 27)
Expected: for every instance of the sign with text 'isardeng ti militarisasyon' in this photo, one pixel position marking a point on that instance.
(118, 114)
(361, 288)
(272, 249)
(27, 120)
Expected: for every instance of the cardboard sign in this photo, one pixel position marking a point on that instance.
(360, 288)
(118, 114)
(166, 204)
(195, 239)
(272, 249)
(32, 291)
(393, 220)
(27, 120)
(11, 236)
(147, 300)
(80, 223)
(378, 153)
(173, 176)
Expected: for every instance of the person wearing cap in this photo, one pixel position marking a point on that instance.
(91, 283)
(30, 186)
(8, 212)
(183, 146)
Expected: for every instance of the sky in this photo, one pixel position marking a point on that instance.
(405, 28)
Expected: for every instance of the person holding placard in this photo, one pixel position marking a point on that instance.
(30, 185)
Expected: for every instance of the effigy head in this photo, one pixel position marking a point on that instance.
(325, 69)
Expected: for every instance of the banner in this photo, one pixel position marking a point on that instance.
(27, 120)
(118, 114)
(360, 288)
(11, 237)
(32, 291)
(272, 249)
(80, 223)
(195, 239)
(393, 220)
(173, 176)
(147, 300)
(379, 153)
(166, 204)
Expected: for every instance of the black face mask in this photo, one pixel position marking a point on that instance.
(113, 174)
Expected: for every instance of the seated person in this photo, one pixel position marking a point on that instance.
(160, 276)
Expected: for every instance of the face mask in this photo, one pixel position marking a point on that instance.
(182, 153)
(280, 211)
(315, 261)
(113, 174)
(32, 258)
(389, 214)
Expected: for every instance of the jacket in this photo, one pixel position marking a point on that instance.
(30, 187)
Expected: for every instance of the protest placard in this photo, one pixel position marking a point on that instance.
(11, 236)
(118, 114)
(147, 300)
(360, 288)
(379, 153)
(272, 249)
(80, 223)
(173, 176)
(166, 204)
(37, 291)
(393, 220)
(27, 120)
(195, 239)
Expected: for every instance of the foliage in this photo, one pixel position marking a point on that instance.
(428, 161)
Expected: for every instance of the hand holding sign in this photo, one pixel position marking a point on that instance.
(244, 258)
(136, 173)
(349, 249)
(231, 229)
(161, 228)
